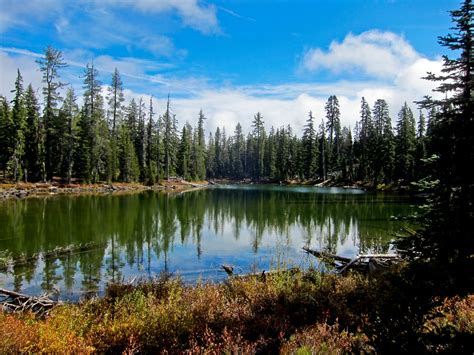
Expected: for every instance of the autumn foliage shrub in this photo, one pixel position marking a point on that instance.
(288, 312)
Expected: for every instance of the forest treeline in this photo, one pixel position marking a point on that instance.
(109, 140)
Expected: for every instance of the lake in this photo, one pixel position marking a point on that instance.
(251, 227)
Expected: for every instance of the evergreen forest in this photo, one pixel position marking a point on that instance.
(108, 139)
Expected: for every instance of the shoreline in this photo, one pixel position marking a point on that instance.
(24, 190)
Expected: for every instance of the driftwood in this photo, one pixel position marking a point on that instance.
(12, 301)
(368, 263)
(323, 183)
(322, 254)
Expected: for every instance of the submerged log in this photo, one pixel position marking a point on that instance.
(229, 269)
(57, 252)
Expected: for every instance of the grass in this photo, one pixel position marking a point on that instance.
(298, 313)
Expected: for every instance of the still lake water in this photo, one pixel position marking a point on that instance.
(252, 227)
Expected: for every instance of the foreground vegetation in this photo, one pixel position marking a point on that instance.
(307, 312)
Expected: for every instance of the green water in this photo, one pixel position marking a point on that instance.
(190, 234)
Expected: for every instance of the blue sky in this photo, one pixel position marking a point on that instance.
(233, 58)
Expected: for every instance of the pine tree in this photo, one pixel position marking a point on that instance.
(238, 152)
(259, 133)
(170, 141)
(405, 144)
(15, 163)
(420, 154)
(140, 139)
(347, 155)
(115, 114)
(98, 150)
(365, 140)
(383, 151)
(333, 127)
(294, 158)
(201, 148)
(50, 65)
(210, 160)
(270, 155)
(115, 99)
(218, 161)
(69, 116)
(310, 149)
(323, 148)
(151, 147)
(283, 152)
(184, 153)
(82, 154)
(34, 147)
(6, 136)
(128, 162)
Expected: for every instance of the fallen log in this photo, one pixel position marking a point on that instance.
(17, 302)
(366, 263)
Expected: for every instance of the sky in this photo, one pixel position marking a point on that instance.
(234, 58)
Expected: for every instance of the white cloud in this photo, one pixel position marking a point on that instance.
(375, 53)
(15, 13)
(9, 65)
(193, 14)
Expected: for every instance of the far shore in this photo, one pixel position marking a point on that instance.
(22, 190)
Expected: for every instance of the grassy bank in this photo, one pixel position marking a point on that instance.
(302, 313)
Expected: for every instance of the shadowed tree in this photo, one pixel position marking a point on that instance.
(446, 243)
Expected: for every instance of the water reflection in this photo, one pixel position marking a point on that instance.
(190, 233)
